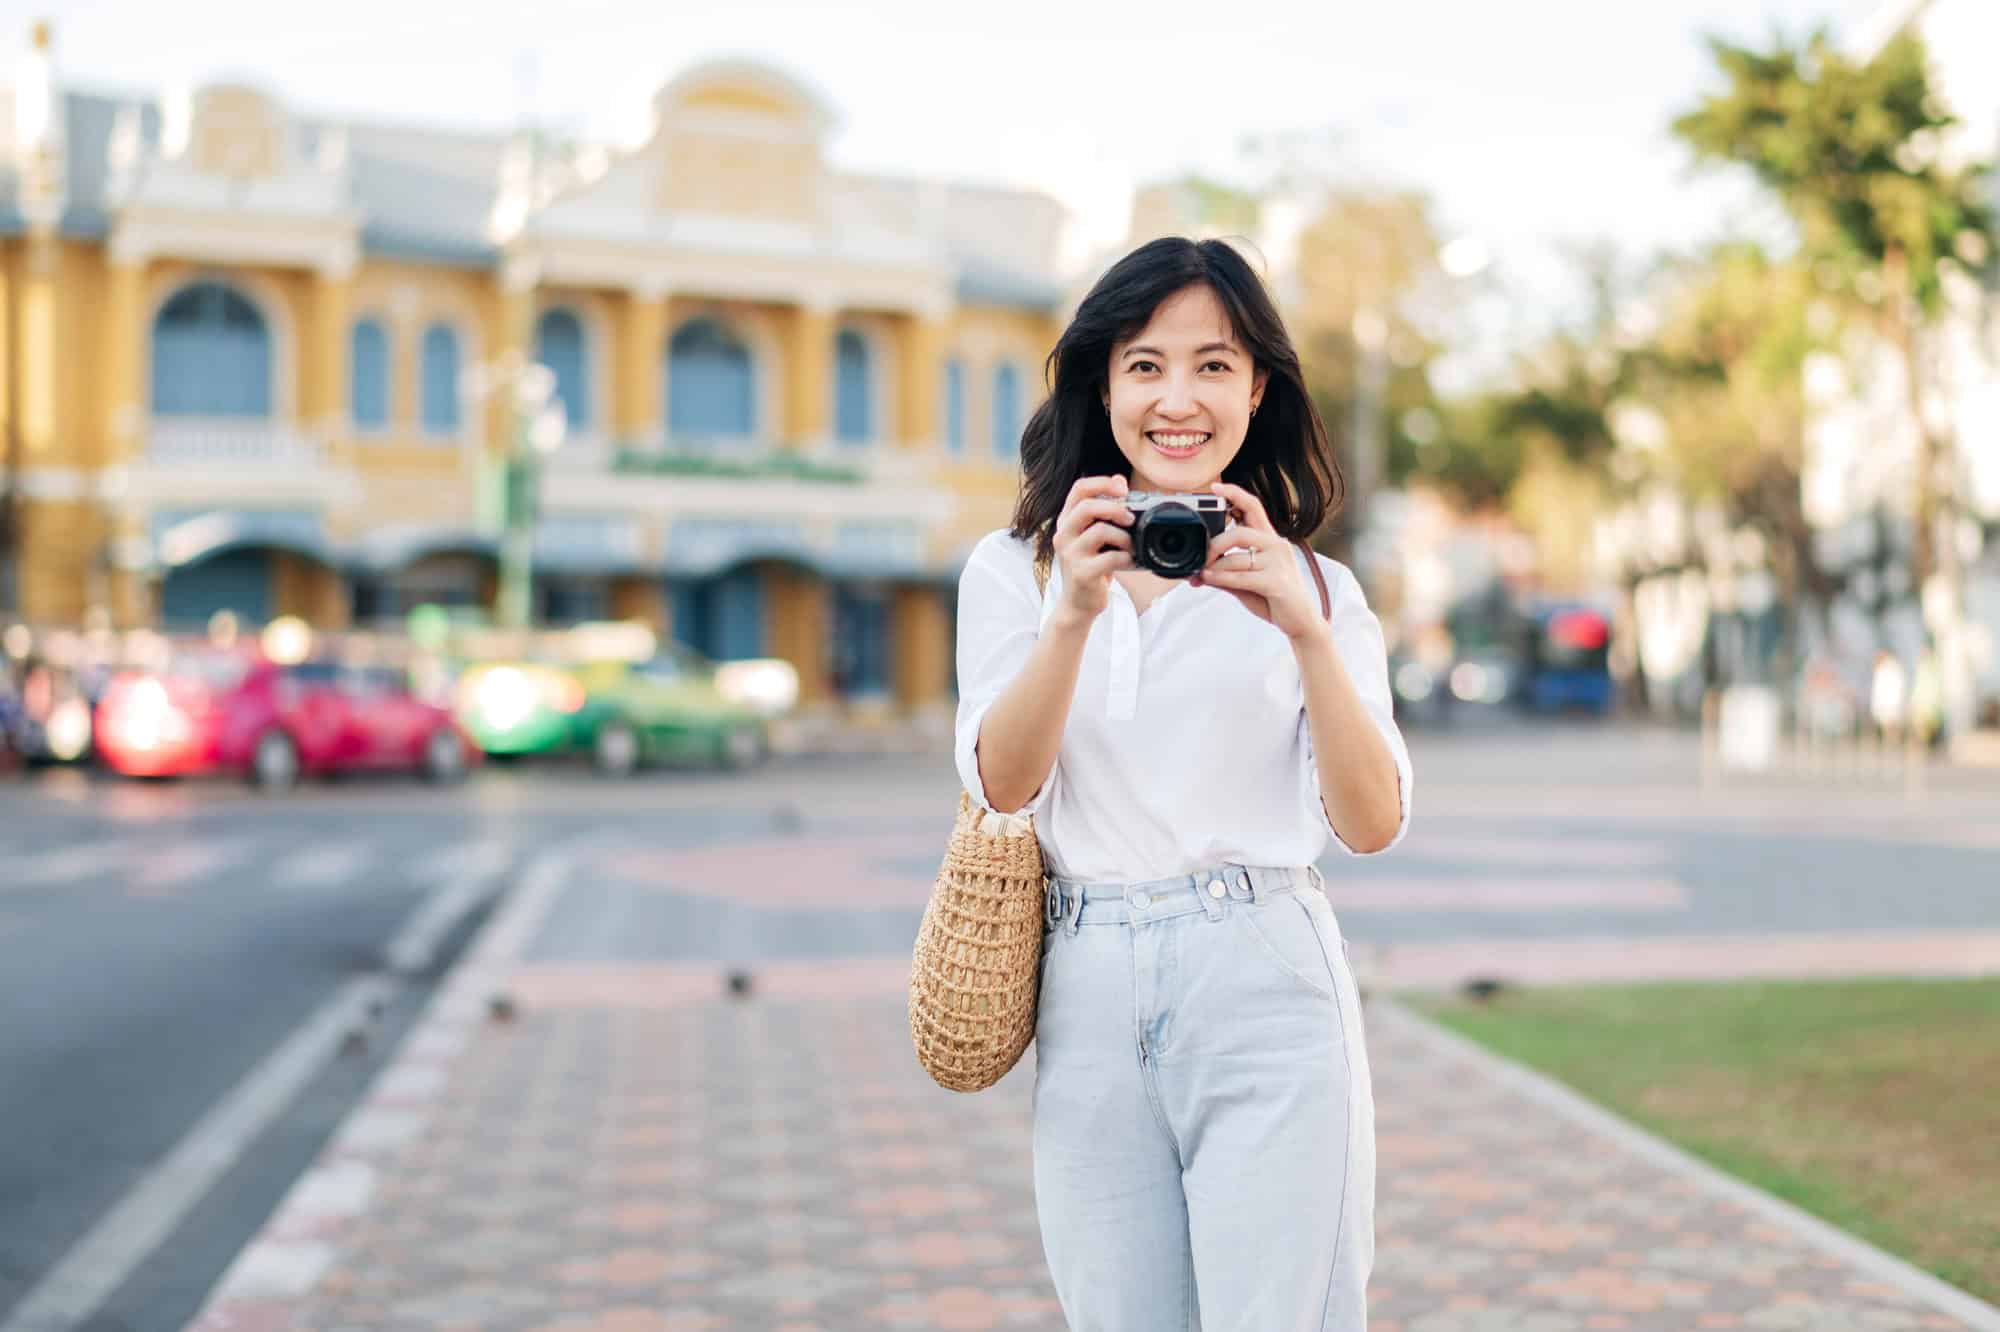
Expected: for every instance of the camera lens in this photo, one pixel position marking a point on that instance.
(1175, 542)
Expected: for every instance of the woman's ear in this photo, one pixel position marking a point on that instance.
(1257, 383)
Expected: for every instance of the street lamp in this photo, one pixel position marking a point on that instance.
(536, 426)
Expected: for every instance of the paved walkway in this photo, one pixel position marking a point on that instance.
(634, 1150)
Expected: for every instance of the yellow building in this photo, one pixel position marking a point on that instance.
(262, 362)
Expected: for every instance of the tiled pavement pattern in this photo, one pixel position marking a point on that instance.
(637, 1152)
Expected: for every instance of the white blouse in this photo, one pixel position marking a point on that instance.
(1187, 744)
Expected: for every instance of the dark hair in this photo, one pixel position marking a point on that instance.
(1286, 460)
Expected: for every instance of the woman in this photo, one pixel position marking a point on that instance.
(1204, 1127)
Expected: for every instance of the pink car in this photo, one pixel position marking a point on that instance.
(238, 712)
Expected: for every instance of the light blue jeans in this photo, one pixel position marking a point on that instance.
(1204, 1120)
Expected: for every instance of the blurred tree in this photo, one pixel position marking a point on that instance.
(1194, 205)
(1852, 149)
(1724, 372)
(1551, 424)
(1360, 253)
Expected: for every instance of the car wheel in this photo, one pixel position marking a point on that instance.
(444, 756)
(742, 747)
(274, 763)
(616, 749)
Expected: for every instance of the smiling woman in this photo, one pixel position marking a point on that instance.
(1187, 764)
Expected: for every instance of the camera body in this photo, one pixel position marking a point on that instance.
(1170, 533)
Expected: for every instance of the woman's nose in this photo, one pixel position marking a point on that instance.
(1177, 397)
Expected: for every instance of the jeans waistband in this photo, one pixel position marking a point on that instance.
(1069, 903)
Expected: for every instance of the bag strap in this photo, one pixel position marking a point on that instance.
(1319, 578)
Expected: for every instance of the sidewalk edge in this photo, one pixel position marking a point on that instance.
(298, 1243)
(1975, 1313)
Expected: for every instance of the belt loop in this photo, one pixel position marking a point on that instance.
(1253, 885)
(1209, 902)
(1051, 903)
(1076, 911)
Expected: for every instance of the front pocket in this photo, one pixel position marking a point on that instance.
(1285, 930)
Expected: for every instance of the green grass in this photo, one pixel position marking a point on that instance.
(1874, 1105)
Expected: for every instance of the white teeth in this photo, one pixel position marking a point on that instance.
(1178, 441)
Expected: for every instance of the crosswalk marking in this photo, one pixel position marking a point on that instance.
(322, 866)
(65, 864)
(182, 862)
(480, 858)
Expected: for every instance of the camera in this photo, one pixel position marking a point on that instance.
(1170, 533)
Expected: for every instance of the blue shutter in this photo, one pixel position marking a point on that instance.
(690, 614)
(851, 415)
(721, 618)
(439, 357)
(211, 355)
(561, 346)
(709, 383)
(233, 580)
(739, 616)
(1006, 411)
(954, 406)
(368, 376)
(860, 647)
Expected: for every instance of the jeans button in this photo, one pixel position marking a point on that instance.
(1142, 900)
(1216, 888)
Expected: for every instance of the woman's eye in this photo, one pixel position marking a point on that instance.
(1138, 367)
(1217, 365)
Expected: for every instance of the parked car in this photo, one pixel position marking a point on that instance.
(46, 718)
(672, 705)
(227, 711)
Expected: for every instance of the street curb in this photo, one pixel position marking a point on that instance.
(1553, 1096)
(299, 1242)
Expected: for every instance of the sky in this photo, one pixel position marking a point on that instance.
(1535, 125)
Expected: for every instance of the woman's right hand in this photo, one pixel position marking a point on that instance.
(1091, 543)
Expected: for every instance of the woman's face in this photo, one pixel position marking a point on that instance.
(1180, 392)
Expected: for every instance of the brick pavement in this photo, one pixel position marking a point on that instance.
(637, 1151)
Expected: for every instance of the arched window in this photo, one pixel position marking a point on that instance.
(211, 355)
(1006, 411)
(852, 414)
(710, 385)
(954, 405)
(561, 346)
(438, 355)
(368, 375)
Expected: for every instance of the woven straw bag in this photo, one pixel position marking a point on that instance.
(976, 970)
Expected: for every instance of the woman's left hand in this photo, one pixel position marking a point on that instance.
(1263, 572)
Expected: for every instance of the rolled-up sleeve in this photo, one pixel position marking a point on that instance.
(1357, 637)
(999, 618)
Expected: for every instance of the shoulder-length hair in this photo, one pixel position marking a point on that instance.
(1286, 459)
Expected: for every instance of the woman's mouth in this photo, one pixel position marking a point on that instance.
(1177, 443)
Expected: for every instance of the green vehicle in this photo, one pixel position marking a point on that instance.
(672, 706)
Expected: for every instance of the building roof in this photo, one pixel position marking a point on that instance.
(428, 195)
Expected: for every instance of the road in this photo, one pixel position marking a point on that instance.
(196, 983)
